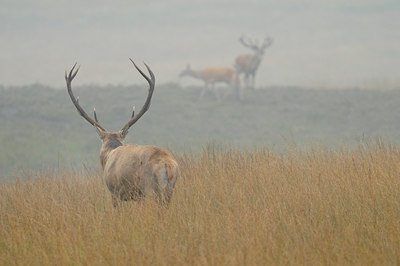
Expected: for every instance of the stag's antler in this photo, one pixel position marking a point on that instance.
(267, 42)
(68, 78)
(146, 105)
(249, 43)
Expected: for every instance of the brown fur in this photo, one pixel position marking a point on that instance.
(132, 171)
(212, 75)
(244, 62)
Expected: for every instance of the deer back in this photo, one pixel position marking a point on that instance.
(226, 74)
(143, 168)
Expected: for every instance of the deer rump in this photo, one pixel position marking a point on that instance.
(133, 171)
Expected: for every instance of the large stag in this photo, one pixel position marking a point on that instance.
(212, 75)
(131, 171)
(249, 63)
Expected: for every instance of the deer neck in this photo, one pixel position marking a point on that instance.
(108, 146)
(195, 74)
(258, 54)
(256, 60)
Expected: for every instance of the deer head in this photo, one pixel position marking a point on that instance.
(111, 138)
(186, 72)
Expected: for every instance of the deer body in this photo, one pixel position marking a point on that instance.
(212, 75)
(132, 171)
(247, 64)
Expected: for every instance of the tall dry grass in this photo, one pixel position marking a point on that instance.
(231, 207)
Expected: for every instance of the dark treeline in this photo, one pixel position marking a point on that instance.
(40, 128)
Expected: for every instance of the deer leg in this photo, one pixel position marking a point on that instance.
(214, 91)
(164, 197)
(115, 201)
(223, 94)
(203, 91)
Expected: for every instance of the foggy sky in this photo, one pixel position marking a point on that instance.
(316, 43)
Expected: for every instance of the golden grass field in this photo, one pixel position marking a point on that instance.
(313, 206)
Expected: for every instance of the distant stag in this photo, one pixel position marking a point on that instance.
(212, 75)
(131, 171)
(249, 63)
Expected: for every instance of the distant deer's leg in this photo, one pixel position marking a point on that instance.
(203, 90)
(213, 90)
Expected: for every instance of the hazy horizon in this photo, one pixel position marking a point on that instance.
(335, 43)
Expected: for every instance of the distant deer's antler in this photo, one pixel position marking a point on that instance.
(267, 42)
(253, 44)
(248, 43)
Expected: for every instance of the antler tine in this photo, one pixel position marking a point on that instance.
(267, 42)
(248, 42)
(71, 75)
(133, 112)
(68, 78)
(95, 115)
(242, 41)
(146, 105)
(142, 73)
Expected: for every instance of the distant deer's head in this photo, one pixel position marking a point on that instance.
(112, 139)
(186, 72)
(255, 46)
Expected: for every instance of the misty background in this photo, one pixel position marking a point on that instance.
(331, 76)
(316, 43)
